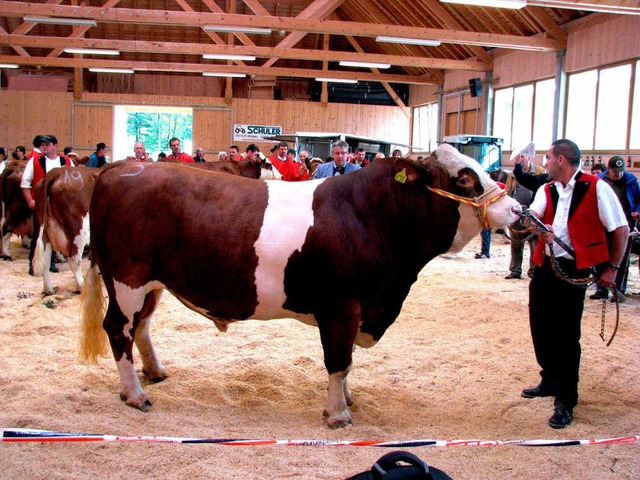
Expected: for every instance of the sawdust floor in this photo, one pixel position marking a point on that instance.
(451, 367)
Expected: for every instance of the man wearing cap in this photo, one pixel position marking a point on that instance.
(35, 170)
(577, 208)
(98, 158)
(522, 159)
(625, 186)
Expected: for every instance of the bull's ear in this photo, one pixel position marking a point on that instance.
(407, 171)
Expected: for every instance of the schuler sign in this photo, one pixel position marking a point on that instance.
(254, 133)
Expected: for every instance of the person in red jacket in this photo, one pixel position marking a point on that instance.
(177, 154)
(290, 170)
(577, 208)
(35, 170)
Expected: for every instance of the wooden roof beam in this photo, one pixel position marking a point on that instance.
(200, 68)
(300, 26)
(622, 7)
(200, 49)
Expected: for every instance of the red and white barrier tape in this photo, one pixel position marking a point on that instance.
(23, 435)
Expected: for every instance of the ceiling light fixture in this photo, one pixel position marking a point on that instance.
(335, 80)
(111, 70)
(230, 29)
(215, 56)
(91, 51)
(60, 21)
(409, 41)
(347, 63)
(514, 4)
(8, 65)
(218, 74)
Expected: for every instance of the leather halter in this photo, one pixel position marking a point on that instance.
(478, 202)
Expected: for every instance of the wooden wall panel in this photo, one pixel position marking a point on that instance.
(212, 130)
(422, 94)
(523, 67)
(92, 118)
(27, 114)
(92, 123)
(608, 42)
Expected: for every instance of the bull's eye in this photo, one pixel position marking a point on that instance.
(463, 182)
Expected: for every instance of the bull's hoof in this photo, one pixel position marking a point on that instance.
(155, 378)
(143, 406)
(338, 420)
(46, 293)
(7, 258)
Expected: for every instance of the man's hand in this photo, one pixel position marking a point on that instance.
(547, 237)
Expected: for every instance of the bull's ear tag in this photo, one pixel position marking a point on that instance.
(401, 176)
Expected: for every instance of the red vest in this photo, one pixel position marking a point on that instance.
(585, 229)
(38, 170)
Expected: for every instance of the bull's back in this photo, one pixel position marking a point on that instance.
(189, 229)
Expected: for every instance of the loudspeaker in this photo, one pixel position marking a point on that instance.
(475, 87)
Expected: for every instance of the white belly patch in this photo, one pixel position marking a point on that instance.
(287, 220)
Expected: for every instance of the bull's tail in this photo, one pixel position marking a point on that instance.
(39, 260)
(93, 339)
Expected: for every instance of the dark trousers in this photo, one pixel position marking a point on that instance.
(485, 236)
(34, 238)
(555, 314)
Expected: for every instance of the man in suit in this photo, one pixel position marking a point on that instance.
(339, 165)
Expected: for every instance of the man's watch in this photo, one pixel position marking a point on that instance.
(613, 267)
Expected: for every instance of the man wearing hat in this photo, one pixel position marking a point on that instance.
(522, 159)
(625, 186)
(98, 158)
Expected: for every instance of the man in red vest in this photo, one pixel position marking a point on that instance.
(578, 209)
(35, 170)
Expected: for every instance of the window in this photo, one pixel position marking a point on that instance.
(425, 127)
(153, 125)
(502, 116)
(525, 113)
(543, 114)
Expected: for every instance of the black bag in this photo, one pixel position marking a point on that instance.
(388, 468)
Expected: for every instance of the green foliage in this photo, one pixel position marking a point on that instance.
(155, 129)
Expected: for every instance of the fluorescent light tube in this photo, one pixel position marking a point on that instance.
(335, 80)
(231, 29)
(215, 56)
(409, 41)
(111, 70)
(346, 63)
(8, 65)
(515, 4)
(216, 74)
(92, 51)
(60, 21)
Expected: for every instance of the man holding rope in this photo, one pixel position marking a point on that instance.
(577, 208)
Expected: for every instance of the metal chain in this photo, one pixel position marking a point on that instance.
(602, 319)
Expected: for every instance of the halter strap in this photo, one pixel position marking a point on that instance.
(477, 202)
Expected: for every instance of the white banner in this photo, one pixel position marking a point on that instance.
(254, 133)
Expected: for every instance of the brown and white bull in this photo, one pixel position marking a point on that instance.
(63, 199)
(234, 249)
(16, 214)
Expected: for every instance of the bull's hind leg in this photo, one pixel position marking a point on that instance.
(151, 365)
(126, 308)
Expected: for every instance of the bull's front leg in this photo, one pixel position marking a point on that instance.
(6, 246)
(337, 333)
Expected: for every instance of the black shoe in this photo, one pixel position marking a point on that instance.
(562, 416)
(53, 269)
(599, 295)
(511, 276)
(539, 391)
(482, 255)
